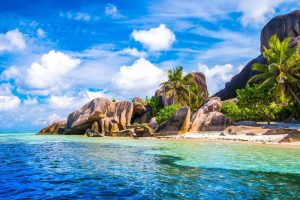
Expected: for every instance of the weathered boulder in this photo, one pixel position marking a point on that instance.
(178, 123)
(212, 121)
(209, 118)
(110, 116)
(258, 130)
(284, 26)
(143, 131)
(200, 79)
(54, 128)
(153, 123)
(92, 133)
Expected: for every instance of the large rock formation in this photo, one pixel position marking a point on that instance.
(284, 26)
(209, 118)
(54, 128)
(198, 77)
(178, 123)
(139, 111)
(110, 116)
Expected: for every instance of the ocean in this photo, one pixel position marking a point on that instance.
(77, 167)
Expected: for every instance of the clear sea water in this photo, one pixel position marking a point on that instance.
(76, 167)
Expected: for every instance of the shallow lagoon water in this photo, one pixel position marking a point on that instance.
(76, 167)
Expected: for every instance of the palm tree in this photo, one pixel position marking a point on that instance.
(177, 87)
(282, 73)
(182, 89)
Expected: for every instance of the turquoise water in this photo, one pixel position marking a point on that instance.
(76, 167)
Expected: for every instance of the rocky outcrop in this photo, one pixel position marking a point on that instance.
(200, 79)
(284, 26)
(240, 80)
(110, 116)
(139, 111)
(153, 123)
(178, 123)
(209, 118)
(54, 128)
(212, 121)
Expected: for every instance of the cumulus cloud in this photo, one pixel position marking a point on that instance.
(10, 73)
(256, 11)
(155, 39)
(49, 72)
(217, 76)
(30, 101)
(133, 52)
(60, 101)
(12, 40)
(139, 79)
(8, 100)
(112, 11)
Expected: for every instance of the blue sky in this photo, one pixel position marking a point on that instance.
(57, 55)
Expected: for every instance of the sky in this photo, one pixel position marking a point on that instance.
(56, 55)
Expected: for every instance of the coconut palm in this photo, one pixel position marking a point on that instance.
(176, 87)
(282, 73)
(182, 89)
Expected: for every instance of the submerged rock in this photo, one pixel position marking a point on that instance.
(178, 123)
(54, 128)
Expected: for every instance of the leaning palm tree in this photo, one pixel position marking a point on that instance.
(282, 73)
(176, 87)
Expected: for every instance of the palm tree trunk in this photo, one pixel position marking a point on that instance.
(294, 95)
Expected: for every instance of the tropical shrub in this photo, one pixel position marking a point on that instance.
(154, 105)
(166, 112)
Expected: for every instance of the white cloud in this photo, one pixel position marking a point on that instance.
(155, 39)
(217, 76)
(133, 52)
(79, 16)
(256, 11)
(30, 101)
(12, 40)
(140, 79)
(54, 118)
(8, 100)
(41, 33)
(10, 73)
(90, 95)
(61, 101)
(49, 72)
(112, 11)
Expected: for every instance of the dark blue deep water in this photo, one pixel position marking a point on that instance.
(75, 167)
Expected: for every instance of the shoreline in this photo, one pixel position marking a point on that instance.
(270, 140)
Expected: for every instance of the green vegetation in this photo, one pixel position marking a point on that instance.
(276, 94)
(254, 103)
(181, 89)
(166, 112)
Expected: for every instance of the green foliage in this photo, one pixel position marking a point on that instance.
(147, 100)
(282, 73)
(255, 103)
(166, 113)
(114, 100)
(155, 105)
